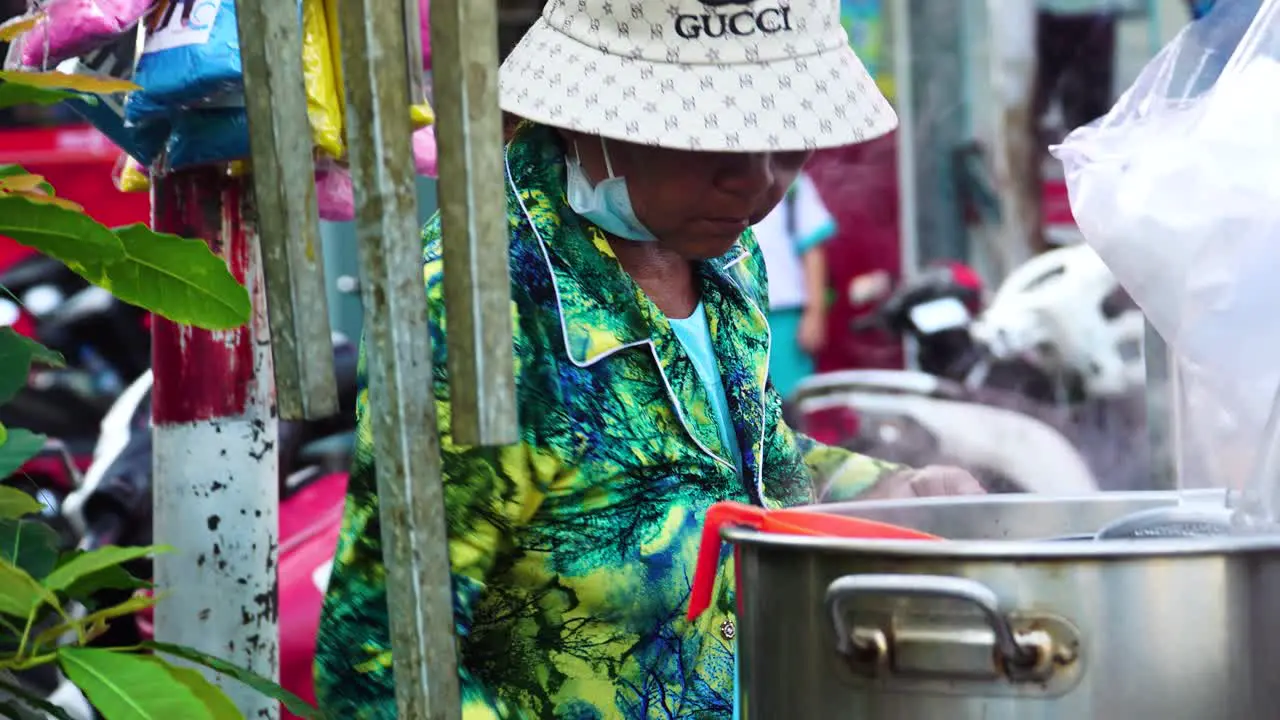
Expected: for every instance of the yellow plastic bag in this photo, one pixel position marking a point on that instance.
(324, 108)
(422, 115)
(129, 176)
(335, 51)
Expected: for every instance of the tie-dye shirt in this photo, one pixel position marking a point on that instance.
(573, 551)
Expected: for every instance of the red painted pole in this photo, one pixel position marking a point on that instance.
(215, 491)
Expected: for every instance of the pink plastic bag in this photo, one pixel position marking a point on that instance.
(72, 28)
(425, 155)
(424, 19)
(334, 194)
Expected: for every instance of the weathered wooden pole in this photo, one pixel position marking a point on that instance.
(288, 221)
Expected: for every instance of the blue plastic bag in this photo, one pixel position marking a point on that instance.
(117, 61)
(189, 58)
(208, 137)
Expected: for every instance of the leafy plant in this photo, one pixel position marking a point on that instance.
(39, 592)
(48, 613)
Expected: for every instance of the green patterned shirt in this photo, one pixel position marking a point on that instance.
(573, 551)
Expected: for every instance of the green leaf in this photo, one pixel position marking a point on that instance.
(215, 700)
(16, 354)
(17, 170)
(19, 592)
(96, 84)
(30, 545)
(19, 447)
(293, 703)
(91, 562)
(40, 353)
(129, 687)
(15, 504)
(129, 608)
(114, 577)
(177, 278)
(78, 241)
(12, 94)
(33, 700)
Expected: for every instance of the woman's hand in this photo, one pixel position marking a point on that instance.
(813, 330)
(925, 482)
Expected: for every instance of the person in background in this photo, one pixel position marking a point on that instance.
(791, 239)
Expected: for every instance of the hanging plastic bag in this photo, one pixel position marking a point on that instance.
(208, 137)
(192, 55)
(128, 176)
(424, 22)
(70, 28)
(116, 61)
(425, 154)
(335, 196)
(323, 109)
(1175, 188)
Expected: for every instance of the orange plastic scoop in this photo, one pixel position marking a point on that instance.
(784, 522)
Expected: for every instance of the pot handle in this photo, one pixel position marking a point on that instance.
(942, 587)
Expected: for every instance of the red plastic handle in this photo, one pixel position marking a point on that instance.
(790, 522)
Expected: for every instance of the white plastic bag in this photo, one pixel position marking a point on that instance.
(1176, 189)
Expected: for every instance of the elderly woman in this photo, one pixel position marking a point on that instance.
(657, 132)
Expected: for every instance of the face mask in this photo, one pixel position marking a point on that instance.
(608, 204)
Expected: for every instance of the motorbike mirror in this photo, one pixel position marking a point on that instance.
(56, 450)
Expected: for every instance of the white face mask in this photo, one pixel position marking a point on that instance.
(607, 204)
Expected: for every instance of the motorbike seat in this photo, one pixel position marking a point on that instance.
(329, 451)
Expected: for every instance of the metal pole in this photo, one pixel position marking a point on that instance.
(215, 461)
(464, 41)
(899, 19)
(1160, 412)
(292, 258)
(1011, 29)
(932, 95)
(399, 362)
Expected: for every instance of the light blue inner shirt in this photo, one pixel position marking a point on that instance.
(694, 334)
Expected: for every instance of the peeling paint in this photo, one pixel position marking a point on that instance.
(215, 460)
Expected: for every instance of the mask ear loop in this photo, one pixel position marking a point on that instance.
(608, 164)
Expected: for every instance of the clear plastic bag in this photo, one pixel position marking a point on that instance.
(1175, 188)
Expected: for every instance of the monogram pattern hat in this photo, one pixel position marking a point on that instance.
(726, 75)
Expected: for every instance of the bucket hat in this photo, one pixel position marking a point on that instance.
(716, 75)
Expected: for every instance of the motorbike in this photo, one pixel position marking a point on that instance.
(106, 344)
(1059, 343)
(113, 507)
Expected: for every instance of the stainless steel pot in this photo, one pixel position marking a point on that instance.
(1002, 624)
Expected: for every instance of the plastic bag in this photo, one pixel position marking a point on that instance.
(1175, 189)
(424, 21)
(188, 58)
(335, 196)
(71, 28)
(130, 177)
(323, 109)
(117, 60)
(425, 154)
(208, 137)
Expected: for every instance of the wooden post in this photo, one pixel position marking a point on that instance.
(398, 359)
(464, 42)
(289, 226)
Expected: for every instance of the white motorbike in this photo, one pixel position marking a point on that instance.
(1040, 392)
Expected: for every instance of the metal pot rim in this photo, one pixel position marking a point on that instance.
(1009, 549)
(1021, 549)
